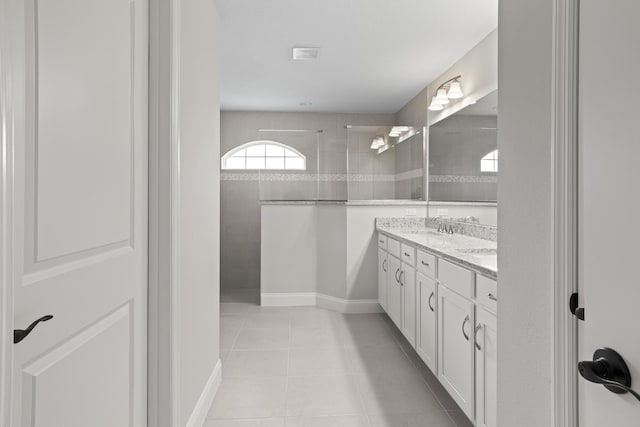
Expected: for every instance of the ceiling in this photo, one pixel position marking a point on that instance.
(375, 56)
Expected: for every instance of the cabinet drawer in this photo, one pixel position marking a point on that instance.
(487, 293)
(408, 255)
(456, 278)
(382, 241)
(427, 264)
(393, 247)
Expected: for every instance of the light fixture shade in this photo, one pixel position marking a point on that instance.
(377, 143)
(435, 105)
(441, 97)
(455, 92)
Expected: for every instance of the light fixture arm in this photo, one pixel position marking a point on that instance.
(446, 84)
(446, 91)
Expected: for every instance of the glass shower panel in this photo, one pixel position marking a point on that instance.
(385, 163)
(290, 167)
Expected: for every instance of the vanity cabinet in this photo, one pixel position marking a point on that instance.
(382, 278)
(448, 314)
(456, 320)
(426, 320)
(394, 290)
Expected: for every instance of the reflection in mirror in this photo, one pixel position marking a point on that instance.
(385, 163)
(463, 154)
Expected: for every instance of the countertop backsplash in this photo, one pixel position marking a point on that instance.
(415, 224)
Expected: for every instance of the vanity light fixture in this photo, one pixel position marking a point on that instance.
(446, 91)
(377, 143)
(396, 131)
(441, 97)
(455, 92)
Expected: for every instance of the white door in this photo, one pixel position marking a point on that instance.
(382, 278)
(79, 202)
(486, 339)
(455, 347)
(427, 334)
(609, 147)
(394, 291)
(408, 310)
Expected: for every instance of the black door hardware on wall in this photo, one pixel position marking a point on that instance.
(20, 334)
(609, 369)
(573, 306)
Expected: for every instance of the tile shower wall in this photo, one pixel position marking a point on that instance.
(240, 191)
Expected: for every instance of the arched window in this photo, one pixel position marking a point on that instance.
(489, 163)
(264, 155)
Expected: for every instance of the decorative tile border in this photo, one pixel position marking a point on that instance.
(464, 179)
(323, 177)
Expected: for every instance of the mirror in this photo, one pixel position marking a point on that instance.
(463, 154)
(385, 162)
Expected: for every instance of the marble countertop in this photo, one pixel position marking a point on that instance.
(347, 202)
(471, 252)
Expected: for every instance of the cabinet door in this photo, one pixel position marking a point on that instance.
(455, 348)
(394, 291)
(382, 278)
(408, 309)
(486, 368)
(427, 333)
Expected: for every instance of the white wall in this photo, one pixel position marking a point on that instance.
(362, 246)
(332, 252)
(330, 249)
(289, 249)
(199, 201)
(525, 380)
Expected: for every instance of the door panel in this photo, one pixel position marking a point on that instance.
(106, 345)
(394, 291)
(382, 278)
(408, 310)
(75, 136)
(427, 336)
(609, 148)
(80, 242)
(455, 347)
(486, 369)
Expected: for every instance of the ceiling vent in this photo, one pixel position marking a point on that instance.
(305, 53)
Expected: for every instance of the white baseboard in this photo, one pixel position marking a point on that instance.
(288, 300)
(356, 306)
(313, 299)
(199, 414)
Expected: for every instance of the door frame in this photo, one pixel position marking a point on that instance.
(565, 210)
(164, 178)
(164, 214)
(6, 184)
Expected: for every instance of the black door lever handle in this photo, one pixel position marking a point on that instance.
(20, 334)
(609, 369)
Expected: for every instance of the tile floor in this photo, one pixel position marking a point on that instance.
(309, 367)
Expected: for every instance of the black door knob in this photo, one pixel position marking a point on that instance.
(609, 369)
(20, 334)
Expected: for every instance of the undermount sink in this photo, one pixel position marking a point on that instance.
(478, 251)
